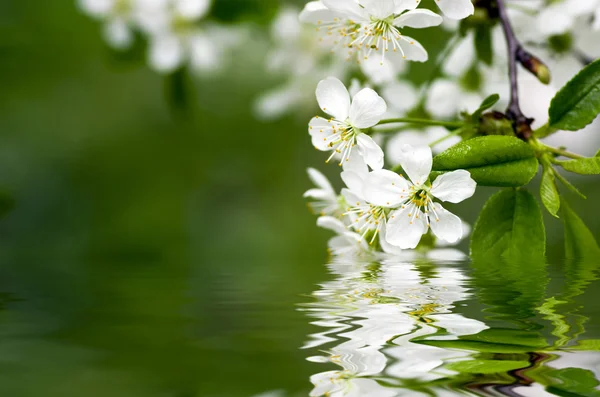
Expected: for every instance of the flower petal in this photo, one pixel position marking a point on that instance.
(315, 12)
(367, 108)
(349, 8)
(403, 5)
(454, 186)
(333, 224)
(445, 225)
(456, 9)
(192, 9)
(321, 133)
(356, 163)
(118, 34)
(320, 180)
(166, 53)
(420, 18)
(412, 50)
(404, 229)
(380, 9)
(385, 188)
(354, 182)
(333, 98)
(370, 151)
(416, 162)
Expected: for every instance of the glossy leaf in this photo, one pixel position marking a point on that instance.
(486, 366)
(587, 166)
(580, 242)
(511, 227)
(578, 103)
(502, 161)
(549, 192)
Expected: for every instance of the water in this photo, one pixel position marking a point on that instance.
(140, 325)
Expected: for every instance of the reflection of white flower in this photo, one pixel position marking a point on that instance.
(369, 26)
(417, 210)
(342, 132)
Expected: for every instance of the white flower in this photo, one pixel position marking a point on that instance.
(368, 26)
(417, 210)
(453, 9)
(346, 243)
(118, 16)
(343, 131)
(325, 199)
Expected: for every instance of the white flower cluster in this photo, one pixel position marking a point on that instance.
(378, 203)
(171, 28)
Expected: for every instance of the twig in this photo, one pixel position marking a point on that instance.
(516, 52)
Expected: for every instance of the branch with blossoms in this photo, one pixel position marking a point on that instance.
(393, 198)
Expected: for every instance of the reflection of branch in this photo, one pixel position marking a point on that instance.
(516, 53)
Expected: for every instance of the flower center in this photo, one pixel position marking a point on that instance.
(343, 139)
(368, 218)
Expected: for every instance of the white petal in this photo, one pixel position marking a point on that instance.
(385, 188)
(97, 8)
(356, 163)
(331, 223)
(205, 54)
(275, 103)
(454, 186)
(320, 132)
(456, 9)
(349, 8)
(354, 182)
(404, 229)
(392, 249)
(118, 34)
(320, 180)
(554, 20)
(444, 98)
(192, 9)
(370, 151)
(445, 225)
(403, 5)
(379, 72)
(316, 12)
(420, 18)
(380, 9)
(367, 108)
(416, 162)
(333, 98)
(413, 50)
(462, 57)
(317, 194)
(166, 54)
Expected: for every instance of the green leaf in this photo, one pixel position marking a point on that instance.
(549, 192)
(492, 161)
(485, 105)
(569, 185)
(483, 43)
(574, 382)
(510, 226)
(587, 166)
(578, 103)
(486, 366)
(580, 242)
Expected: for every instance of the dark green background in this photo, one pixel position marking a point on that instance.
(159, 241)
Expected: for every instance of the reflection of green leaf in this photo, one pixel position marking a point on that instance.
(486, 366)
(587, 344)
(579, 240)
(574, 382)
(510, 226)
(578, 103)
(587, 166)
(494, 340)
(492, 160)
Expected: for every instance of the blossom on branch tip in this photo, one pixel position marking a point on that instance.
(344, 130)
(416, 211)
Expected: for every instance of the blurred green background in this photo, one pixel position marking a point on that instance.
(158, 240)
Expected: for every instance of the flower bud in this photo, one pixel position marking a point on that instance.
(534, 65)
(495, 123)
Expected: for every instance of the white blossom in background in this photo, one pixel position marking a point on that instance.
(418, 137)
(346, 243)
(371, 27)
(416, 211)
(118, 17)
(325, 201)
(342, 133)
(299, 57)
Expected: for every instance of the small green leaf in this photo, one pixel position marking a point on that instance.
(485, 105)
(549, 192)
(578, 103)
(492, 161)
(569, 185)
(510, 226)
(580, 242)
(587, 166)
(597, 154)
